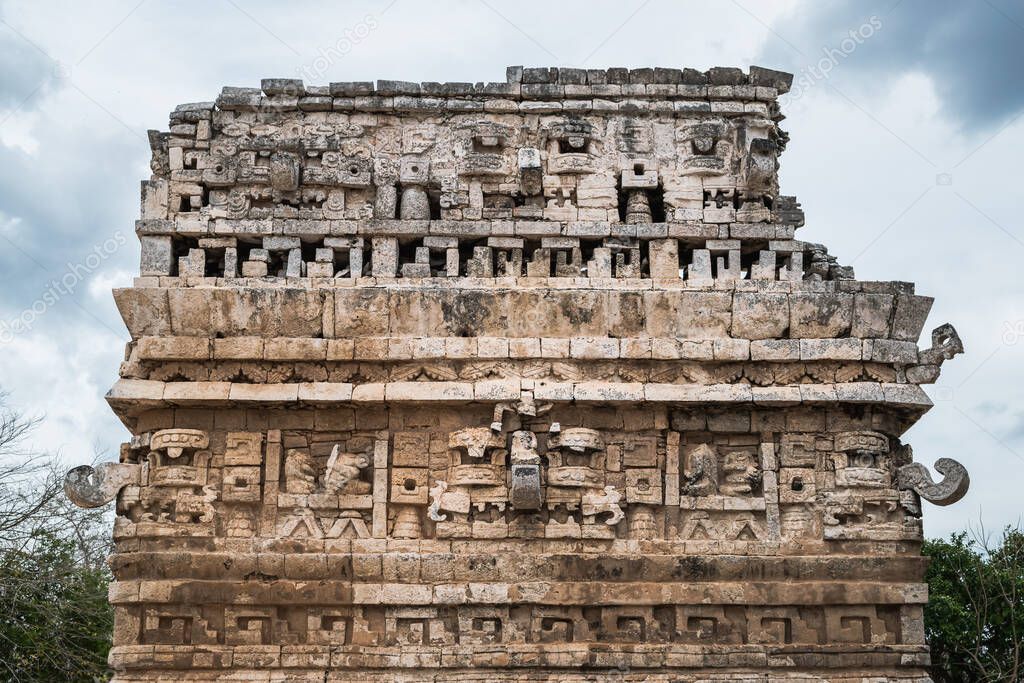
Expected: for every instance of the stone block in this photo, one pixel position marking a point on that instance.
(731, 349)
(156, 255)
(601, 392)
(820, 315)
(554, 348)
(325, 392)
(593, 348)
(696, 350)
(264, 393)
(830, 349)
(492, 347)
(909, 317)
(758, 315)
(282, 348)
(871, 315)
(890, 351)
(636, 348)
(254, 269)
(238, 348)
(174, 348)
(523, 348)
(429, 391)
(340, 349)
(370, 348)
(664, 259)
(775, 350)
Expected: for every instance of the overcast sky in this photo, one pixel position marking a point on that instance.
(906, 136)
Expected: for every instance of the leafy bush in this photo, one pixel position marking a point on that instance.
(974, 620)
(57, 624)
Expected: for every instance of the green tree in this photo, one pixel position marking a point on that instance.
(58, 623)
(55, 623)
(974, 620)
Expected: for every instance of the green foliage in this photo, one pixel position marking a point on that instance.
(57, 624)
(974, 620)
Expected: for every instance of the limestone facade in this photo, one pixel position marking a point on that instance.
(527, 380)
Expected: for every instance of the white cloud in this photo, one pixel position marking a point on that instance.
(60, 372)
(105, 281)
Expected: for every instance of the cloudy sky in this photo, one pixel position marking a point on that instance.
(905, 121)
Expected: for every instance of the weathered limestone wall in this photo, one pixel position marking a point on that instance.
(511, 381)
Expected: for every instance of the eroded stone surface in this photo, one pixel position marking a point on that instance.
(509, 381)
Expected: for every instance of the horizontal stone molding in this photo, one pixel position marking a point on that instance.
(446, 561)
(574, 284)
(332, 592)
(309, 230)
(663, 663)
(132, 396)
(152, 348)
(810, 311)
(530, 86)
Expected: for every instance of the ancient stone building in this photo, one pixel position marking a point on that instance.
(527, 380)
